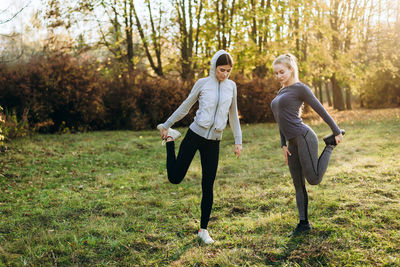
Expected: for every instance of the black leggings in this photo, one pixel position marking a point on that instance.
(177, 167)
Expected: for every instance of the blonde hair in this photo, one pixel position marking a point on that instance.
(288, 60)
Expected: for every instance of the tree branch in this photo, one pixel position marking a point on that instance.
(14, 59)
(16, 14)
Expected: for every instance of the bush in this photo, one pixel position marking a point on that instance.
(59, 91)
(382, 88)
(120, 103)
(254, 98)
(14, 127)
(143, 102)
(161, 97)
(65, 94)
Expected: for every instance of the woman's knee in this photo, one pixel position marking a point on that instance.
(314, 180)
(174, 180)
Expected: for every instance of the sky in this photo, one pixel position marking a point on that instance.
(19, 24)
(9, 7)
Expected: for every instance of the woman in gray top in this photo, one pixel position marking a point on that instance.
(302, 153)
(217, 100)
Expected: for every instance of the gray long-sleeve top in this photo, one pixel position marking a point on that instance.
(286, 109)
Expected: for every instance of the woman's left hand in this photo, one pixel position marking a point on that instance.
(338, 138)
(238, 150)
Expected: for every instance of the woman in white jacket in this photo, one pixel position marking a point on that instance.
(217, 100)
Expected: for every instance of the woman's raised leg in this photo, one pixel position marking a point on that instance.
(314, 167)
(177, 167)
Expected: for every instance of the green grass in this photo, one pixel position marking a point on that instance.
(103, 199)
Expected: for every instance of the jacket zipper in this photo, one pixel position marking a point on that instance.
(215, 113)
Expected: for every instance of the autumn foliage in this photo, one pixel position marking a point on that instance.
(60, 93)
(254, 98)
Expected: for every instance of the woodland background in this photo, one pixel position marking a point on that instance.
(124, 64)
(101, 198)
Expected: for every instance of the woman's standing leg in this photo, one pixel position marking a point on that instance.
(314, 168)
(177, 167)
(209, 153)
(296, 172)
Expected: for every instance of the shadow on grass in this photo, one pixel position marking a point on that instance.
(181, 250)
(307, 249)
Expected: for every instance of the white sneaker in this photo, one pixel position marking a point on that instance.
(175, 134)
(205, 237)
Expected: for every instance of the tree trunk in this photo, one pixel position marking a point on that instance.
(129, 35)
(224, 27)
(361, 100)
(338, 101)
(187, 37)
(267, 26)
(297, 30)
(218, 25)
(314, 85)
(186, 68)
(321, 96)
(319, 91)
(157, 69)
(231, 23)
(156, 39)
(328, 94)
(348, 98)
(254, 22)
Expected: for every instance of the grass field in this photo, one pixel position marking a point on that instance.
(103, 199)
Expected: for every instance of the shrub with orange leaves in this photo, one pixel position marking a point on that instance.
(66, 94)
(55, 88)
(254, 98)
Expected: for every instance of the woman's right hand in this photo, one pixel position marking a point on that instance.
(163, 133)
(287, 153)
(338, 138)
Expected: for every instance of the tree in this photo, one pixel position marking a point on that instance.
(225, 13)
(189, 14)
(155, 36)
(9, 18)
(123, 17)
(336, 10)
(11, 38)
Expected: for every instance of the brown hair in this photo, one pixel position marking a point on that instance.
(224, 59)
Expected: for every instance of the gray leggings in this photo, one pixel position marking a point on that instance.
(305, 164)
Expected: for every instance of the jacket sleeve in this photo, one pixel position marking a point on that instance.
(234, 119)
(310, 99)
(186, 105)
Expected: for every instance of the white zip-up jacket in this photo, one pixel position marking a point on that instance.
(217, 100)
